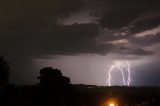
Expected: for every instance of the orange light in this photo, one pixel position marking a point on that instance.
(111, 104)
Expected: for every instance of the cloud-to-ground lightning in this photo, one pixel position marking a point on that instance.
(129, 73)
(109, 75)
(121, 66)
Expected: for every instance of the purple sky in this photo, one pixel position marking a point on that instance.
(83, 38)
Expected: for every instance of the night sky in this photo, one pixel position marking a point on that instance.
(83, 38)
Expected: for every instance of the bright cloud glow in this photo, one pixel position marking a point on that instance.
(150, 32)
(116, 42)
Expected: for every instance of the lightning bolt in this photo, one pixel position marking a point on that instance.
(125, 66)
(119, 68)
(129, 73)
(109, 75)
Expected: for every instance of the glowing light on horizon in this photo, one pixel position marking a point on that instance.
(111, 104)
(121, 66)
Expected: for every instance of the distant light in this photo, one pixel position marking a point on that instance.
(111, 104)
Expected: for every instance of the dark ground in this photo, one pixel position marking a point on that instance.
(78, 95)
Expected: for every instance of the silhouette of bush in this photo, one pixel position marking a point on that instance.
(4, 72)
(54, 86)
(52, 77)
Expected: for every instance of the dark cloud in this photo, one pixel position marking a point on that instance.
(145, 24)
(76, 38)
(30, 27)
(117, 14)
(118, 19)
(55, 40)
(24, 12)
(115, 5)
(73, 39)
(136, 51)
(22, 22)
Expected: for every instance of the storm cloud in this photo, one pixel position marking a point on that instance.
(39, 28)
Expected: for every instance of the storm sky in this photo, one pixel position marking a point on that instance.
(83, 38)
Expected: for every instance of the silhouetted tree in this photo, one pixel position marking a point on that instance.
(52, 77)
(4, 71)
(49, 76)
(54, 86)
